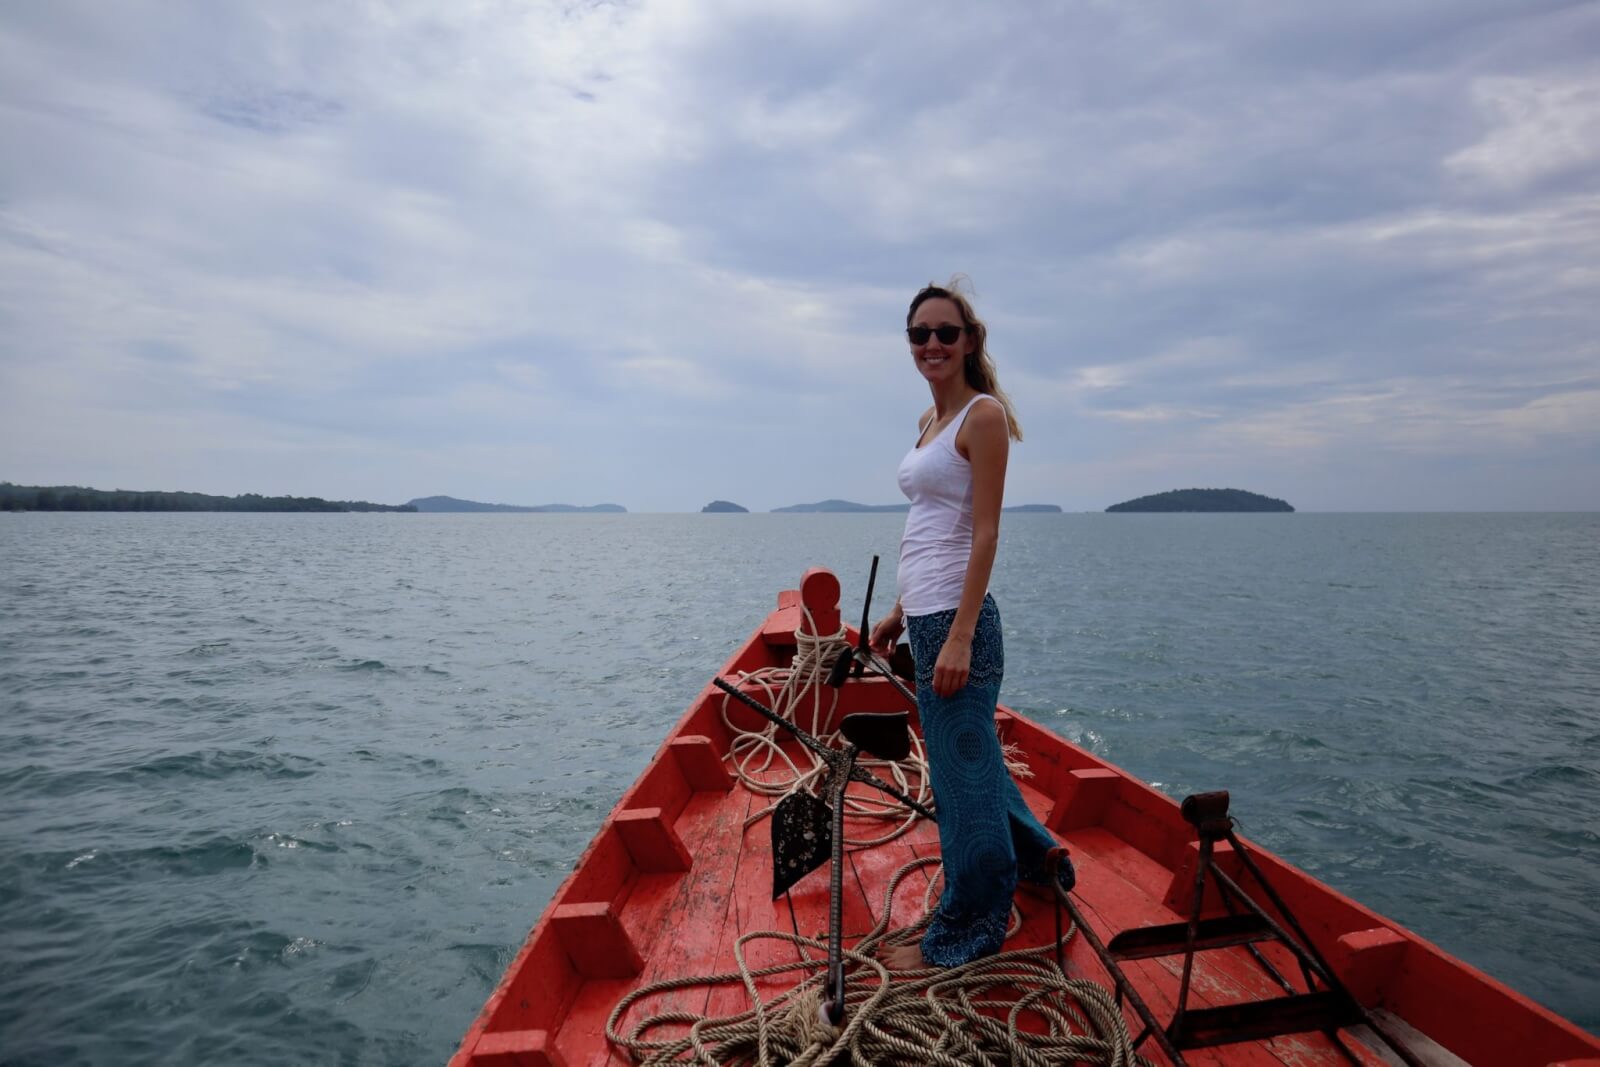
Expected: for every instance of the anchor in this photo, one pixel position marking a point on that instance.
(807, 831)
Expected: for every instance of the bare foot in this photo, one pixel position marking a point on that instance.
(905, 958)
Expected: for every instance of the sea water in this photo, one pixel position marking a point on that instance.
(292, 788)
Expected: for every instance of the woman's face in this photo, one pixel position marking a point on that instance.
(937, 360)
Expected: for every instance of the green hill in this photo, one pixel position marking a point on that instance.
(1203, 500)
(435, 504)
(79, 498)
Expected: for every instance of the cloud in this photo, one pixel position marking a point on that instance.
(1541, 128)
(608, 238)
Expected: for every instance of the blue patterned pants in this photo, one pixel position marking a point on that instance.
(987, 835)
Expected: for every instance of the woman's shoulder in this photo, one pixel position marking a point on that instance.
(925, 418)
(986, 411)
(985, 421)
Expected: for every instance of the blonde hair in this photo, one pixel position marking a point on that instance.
(978, 366)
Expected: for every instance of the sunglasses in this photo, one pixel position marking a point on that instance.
(946, 334)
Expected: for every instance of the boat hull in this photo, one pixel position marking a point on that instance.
(675, 878)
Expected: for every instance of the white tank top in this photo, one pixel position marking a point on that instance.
(937, 543)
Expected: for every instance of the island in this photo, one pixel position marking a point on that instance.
(835, 506)
(1211, 500)
(846, 506)
(724, 507)
(78, 498)
(439, 504)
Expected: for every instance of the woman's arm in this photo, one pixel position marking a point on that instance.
(888, 631)
(986, 442)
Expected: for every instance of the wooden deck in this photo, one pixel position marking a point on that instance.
(673, 880)
(688, 925)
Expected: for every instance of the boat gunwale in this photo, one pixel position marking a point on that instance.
(1164, 837)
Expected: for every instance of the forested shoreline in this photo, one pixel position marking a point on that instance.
(78, 498)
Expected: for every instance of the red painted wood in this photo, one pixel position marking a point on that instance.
(1480, 1019)
(664, 904)
(1121, 882)
(693, 922)
(819, 592)
(701, 764)
(875, 868)
(539, 987)
(755, 910)
(777, 633)
(1085, 795)
(1155, 983)
(1364, 960)
(1180, 888)
(605, 874)
(595, 941)
(651, 842)
(1130, 859)
(661, 785)
(516, 1048)
(860, 914)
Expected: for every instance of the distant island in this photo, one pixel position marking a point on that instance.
(724, 507)
(436, 504)
(78, 498)
(852, 506)
(1203, 500)
(842, 505)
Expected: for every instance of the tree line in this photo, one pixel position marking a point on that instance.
(77, 498)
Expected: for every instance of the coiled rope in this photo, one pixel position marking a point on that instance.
(800, 694)
(756, 754)
(971, 1014)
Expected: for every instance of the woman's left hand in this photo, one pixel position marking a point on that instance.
(954, 663)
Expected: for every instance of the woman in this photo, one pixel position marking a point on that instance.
(955, 478)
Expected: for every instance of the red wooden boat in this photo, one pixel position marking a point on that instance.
(679, 881)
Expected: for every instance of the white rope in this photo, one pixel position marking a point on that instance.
(917, 1018)
(799, 693)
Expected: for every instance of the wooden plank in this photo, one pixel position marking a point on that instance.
(754, 910)
(516, 1048)
(700, 761)
(1158, 988)
(669, 917)
(860, 912)
(1114, 901)
(875, 868)
(595, 940)
(651, 841)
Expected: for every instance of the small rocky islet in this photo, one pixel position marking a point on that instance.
(1203, 500)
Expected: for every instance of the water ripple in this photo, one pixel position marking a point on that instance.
(276, 789)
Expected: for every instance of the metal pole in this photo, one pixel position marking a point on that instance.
(1307, 953)
(1123, 985)
(829, 755)
(841, 781)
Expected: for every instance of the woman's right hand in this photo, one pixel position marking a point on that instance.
(886, 633)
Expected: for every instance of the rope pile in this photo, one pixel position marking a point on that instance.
(800, 694)
(916, 1018)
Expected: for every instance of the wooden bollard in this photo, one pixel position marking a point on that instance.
(819, 592)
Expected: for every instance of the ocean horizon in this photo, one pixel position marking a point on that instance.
(276, 789)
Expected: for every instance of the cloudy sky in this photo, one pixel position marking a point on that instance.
(658, 253)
